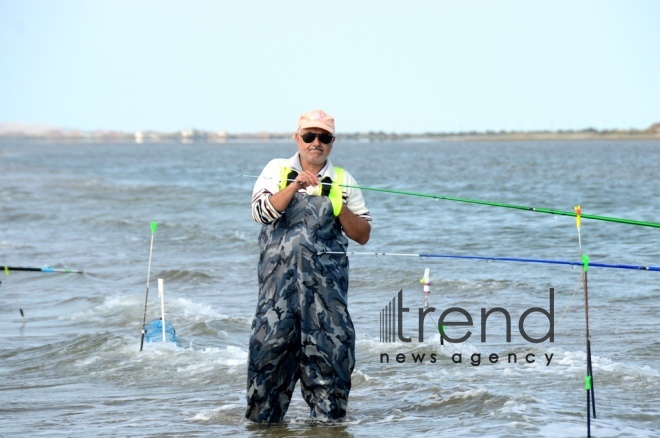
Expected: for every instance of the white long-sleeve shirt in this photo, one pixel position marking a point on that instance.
(268, 184)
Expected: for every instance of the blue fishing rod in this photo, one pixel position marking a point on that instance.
(501, 259)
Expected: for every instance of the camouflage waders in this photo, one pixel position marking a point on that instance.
(301, 329)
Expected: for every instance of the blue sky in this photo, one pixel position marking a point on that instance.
(248, 66)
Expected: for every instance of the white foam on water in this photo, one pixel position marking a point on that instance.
(199, 312)
(111, 309)
(210, 359)
(211, 414)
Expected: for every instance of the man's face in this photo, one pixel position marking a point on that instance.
(315, 152)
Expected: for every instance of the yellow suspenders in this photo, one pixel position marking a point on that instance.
(335, 194)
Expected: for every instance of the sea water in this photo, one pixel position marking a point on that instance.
(71, 365)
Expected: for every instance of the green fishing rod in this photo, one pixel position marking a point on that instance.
(496, 204)
(512, 206)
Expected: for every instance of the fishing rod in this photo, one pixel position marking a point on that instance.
(64, 270)
(498, 204)
(499, 259)
(589, 378)
(512, 206)
(154, 225)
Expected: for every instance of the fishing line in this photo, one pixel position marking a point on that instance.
(20, 308)
(568, 305)
(496, 204)
(570, 300)
(154, 225)
(427, 291)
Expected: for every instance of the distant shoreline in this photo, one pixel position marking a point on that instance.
(25, 133)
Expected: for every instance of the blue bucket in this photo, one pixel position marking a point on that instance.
(154, 332)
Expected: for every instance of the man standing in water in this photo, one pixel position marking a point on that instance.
(302, 329)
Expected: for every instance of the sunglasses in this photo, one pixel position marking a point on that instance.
(309, 137)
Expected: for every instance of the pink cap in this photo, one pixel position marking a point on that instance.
(317, 119)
